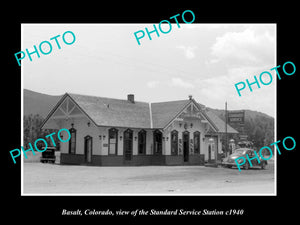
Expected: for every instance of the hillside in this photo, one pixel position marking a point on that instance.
(38, 103)
(248, 113)
(258, 126)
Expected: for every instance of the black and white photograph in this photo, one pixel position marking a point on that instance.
(134, 114)
(151, 118)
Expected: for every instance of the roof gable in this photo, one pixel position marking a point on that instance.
(65, 108)
(165, 112)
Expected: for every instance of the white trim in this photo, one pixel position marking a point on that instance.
(71, 110)
(184, 109)
(64, 102)
(67, 116)
(177, 115)
(150, 112)
(58, 106)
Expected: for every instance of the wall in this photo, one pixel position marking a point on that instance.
(215, 146)
(103, 143)
(100, 145)
(82, 130)
(197, 126)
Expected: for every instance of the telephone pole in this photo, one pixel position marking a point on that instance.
(226, 149)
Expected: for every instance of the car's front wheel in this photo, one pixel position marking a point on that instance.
(263, 165)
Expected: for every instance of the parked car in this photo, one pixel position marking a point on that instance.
(48, 155)
(230, 160)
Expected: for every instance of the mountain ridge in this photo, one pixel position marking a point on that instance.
(46, 103)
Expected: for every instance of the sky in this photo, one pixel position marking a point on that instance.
(202, 60)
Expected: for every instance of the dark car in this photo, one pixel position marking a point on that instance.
(230, 160)
(48, 155)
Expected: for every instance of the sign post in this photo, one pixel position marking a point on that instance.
(236, 119)
(226, 115)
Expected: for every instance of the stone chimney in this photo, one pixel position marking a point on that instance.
(130, 98)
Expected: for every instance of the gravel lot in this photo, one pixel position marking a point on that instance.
(166, 180)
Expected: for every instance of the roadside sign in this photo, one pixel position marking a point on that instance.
(236, 116)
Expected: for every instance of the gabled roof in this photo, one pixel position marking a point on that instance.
(219, 123)
(114, 112)
(123, 113)
(164, 112)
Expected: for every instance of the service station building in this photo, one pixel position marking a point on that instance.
(114, 132)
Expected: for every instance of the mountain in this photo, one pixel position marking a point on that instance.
(258, 126)
(248, 113)
(38, 103)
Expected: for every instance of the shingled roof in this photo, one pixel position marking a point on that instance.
(219, 123)
(164, 112)
(114, 112)
(123, 113)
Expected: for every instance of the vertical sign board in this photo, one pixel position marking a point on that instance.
(236, 119)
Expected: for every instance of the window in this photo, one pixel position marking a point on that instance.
(157, 141)
(196, 142)
(127, 144)
(72, 141)
(142, 142)
(174, 142)
(112, 141)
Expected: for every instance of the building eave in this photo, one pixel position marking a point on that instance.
(59, 103)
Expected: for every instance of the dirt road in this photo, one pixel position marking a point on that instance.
(166, 180)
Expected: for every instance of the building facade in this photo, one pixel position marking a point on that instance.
(113, 132)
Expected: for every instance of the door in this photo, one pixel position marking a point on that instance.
(88, 141)
(186, 146)
(128, 141)
(209, 152)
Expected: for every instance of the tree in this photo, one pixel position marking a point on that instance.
(32, 131)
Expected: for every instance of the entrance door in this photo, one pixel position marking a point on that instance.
(209, 152)
(128, 140)
(186, 145)
(88, 141)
